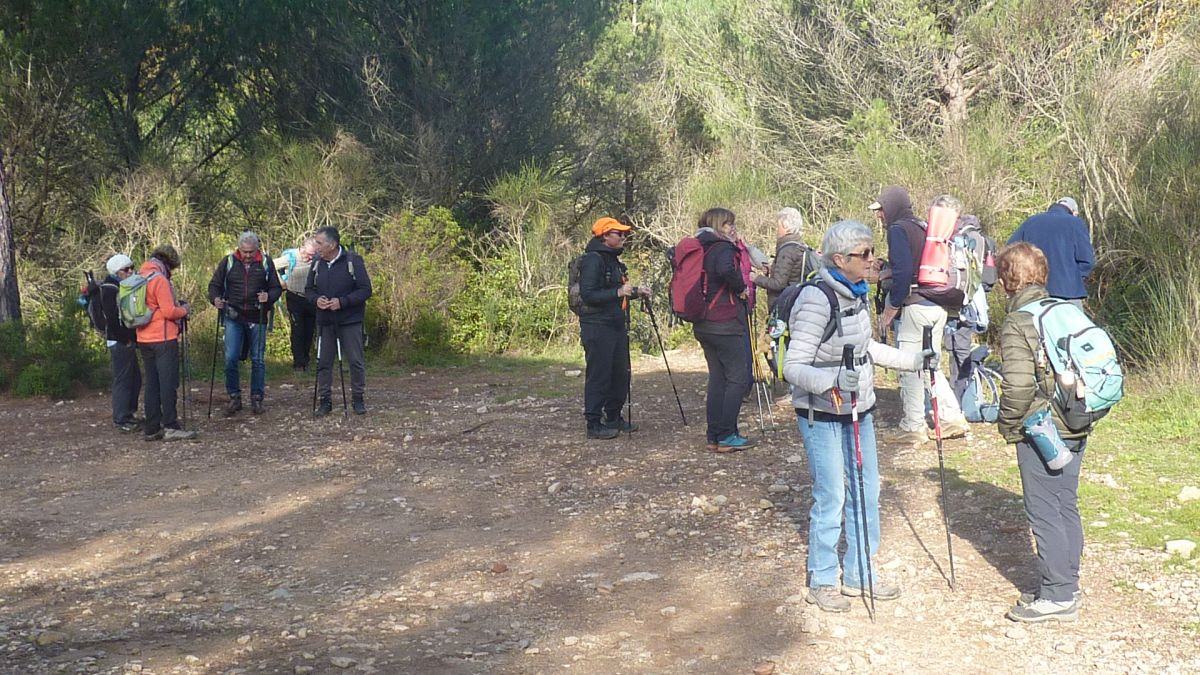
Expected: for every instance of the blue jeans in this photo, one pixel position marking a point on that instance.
(831, 461)
(235, 332)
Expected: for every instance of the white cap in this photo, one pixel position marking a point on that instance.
(117, 263)
(875, 206)
(1070, 204)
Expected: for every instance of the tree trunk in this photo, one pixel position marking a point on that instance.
(10, 295)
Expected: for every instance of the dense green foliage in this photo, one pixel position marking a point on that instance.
(464, 147)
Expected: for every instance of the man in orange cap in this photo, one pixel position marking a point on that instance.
(605, 292)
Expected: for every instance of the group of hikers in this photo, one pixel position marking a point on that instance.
(934, 283)
(138, 311)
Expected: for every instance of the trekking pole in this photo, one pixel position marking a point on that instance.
(212, 376)
(931, 365)
(317, 377)
(762, 427)
(764, 381)
(864, 532)
(670, 378)
(628, 365)
(342, 372)
(183, 366)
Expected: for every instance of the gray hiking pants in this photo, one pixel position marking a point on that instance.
(126, 382)
(1052, 507)
(351, 337)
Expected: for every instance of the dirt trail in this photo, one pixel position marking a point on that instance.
(467, 526)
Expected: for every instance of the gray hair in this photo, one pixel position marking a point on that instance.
(249, 236)
(791, 220)
(949, 202)
(842, 238)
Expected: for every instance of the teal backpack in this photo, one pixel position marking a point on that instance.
(1087, 374)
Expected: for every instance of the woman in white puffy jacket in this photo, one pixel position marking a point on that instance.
(828, 315)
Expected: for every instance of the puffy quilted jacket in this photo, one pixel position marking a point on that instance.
(812, 366)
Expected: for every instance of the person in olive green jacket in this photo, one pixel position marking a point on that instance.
(1051, 496)
(795, 261)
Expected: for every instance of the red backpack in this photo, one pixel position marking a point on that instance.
(688, 280)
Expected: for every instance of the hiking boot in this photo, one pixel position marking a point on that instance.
(179, 435)
(323, 408)
(128, 427)
(827, 599)
(358, 406)
(1041, 610)
(883, 590)
(619, 424)
(733, 443)
(256, 405)
(235, 406)
(602, 432)
(153, 436)
(910, 439)
(1028, 599)
(950, 430)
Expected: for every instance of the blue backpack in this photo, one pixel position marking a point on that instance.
(981, 399)
(1087, 375)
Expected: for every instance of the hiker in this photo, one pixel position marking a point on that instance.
(158, 340)
(1050, 495)
(724, 333)
(794, 262)
(338, 286)
(244, 288)
(293, 265)
(1062, 236)
(606, 293)
(122, 347)
(906, 241)
(813, 366)
(972, 319)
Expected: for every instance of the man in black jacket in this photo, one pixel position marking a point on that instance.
(603, 330)
(338, 285)
(244, 287)
(122, 347)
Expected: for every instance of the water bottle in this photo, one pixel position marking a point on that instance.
(1044, 437)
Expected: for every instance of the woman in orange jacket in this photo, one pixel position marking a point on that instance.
(158, 340)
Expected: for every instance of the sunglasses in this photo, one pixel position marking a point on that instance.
(620, 233)
(869, 253)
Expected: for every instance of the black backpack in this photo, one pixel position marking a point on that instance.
(574, 298)
(95, 308)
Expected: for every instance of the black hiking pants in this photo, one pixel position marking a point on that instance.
(126, 382)
(353, 354)
(161, 360)
(606, 379)
(729, 381)
(302, 317)
(1052, 507)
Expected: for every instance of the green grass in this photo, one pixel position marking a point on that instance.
(1136, 462)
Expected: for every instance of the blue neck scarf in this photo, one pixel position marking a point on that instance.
(859, 289)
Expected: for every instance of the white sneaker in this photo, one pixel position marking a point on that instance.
(178, 435)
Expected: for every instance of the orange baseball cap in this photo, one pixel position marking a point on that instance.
(605, 225)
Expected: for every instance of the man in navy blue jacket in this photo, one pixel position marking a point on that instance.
(1063, 237)
(338, 285)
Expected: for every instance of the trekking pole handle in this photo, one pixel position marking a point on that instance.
(848, 357)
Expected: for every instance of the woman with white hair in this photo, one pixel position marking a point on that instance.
(827, 317)
(795, 260)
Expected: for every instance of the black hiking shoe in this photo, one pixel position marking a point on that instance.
(602, 432)
(827, 599)
(620, 424)
(323, 408)
(235, 406)
(256, 405)
(153, 436)
(128, 427)
(359, 407)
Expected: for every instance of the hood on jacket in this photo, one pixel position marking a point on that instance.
(597, 245)
(154, 265)
(1031, 293)
(708, 236)
(895, 203)
(788, 238)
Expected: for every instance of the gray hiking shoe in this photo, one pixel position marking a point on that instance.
(950, 430)
(883, 590)
(910, 439)
(827, 599)
(178, 435)
(1040, 610)
(234, 406)
(1027, 599)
